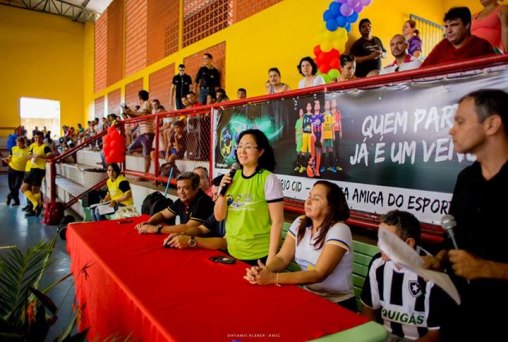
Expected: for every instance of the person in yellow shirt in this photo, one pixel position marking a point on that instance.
(17, 163)
(31, 186)
(119, 191)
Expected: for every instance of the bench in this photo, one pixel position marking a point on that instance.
(362, 255)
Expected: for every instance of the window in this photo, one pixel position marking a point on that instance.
(40, 114)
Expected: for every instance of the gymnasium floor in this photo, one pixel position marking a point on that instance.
(23, 232)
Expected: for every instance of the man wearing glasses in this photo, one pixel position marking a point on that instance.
(403, 61)
(180, 88)
(207, 79)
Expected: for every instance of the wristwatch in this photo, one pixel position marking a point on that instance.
(192, 242)
(159, 228)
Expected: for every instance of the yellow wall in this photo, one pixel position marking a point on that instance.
(280, 36)
(52, 57)
(42, 57)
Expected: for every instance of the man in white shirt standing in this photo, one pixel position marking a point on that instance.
(403, 61)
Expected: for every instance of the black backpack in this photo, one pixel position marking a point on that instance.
(154, 203)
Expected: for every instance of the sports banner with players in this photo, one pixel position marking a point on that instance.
(387, 147)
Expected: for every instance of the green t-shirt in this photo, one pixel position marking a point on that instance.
(248, 220)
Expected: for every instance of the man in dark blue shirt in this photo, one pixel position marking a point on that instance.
(207, 79)
(180, 88)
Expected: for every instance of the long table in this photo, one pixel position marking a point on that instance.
(128, 285)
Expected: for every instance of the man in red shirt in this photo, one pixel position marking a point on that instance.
(458, 44)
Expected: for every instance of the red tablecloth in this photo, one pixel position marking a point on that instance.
(128, 285)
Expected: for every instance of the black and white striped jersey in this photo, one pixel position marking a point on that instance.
(409, 305)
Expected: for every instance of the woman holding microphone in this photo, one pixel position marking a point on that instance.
(252, 206)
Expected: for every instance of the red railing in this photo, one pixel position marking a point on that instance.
(430, 232)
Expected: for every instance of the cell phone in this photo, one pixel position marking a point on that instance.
(223, 259)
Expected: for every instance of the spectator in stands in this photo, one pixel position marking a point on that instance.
(308, 69)
(146, 132)
(157, 107)
(185, 102)
(368, 50)
(347, 68)
(193, 207)
(180, 87)
(491, 24)
(105, 123)
(210, 99)
(321, 243)
(458, 43)
(241, 93)
(207, 79)
(209, 235)
(253, 204)
(274, 84)
(204, 181)
(412, 37)
(119, 192)
(479, 265)
(403, 61)
(221, 95)
(16, 161)
(31, 186)
(392, 291)
(177, 143)
(193, 101)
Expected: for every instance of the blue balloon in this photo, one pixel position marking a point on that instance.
(341, 21)
(331, 25)
(334, 8)
(327, 15)
(348, 27)
(353, 17)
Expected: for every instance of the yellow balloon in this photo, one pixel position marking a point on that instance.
(326, 46)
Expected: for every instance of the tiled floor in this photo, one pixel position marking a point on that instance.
(23, 232)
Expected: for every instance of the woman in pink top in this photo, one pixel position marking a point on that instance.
(491, 24)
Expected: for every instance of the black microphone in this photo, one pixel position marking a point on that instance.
(236, 166)
(448, 223)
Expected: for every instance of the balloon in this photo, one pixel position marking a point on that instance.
(326, 46)
(333, 73)
(353, 17)
(334, 54)
(358, 8)
(325, 77)
(341, 34)
(365, 2)
(348, 27)
(324, 68)
(334, 64)
(352, 3)
(327, 15)
(334, 9)
(317, 50)
(331, 25)
(346, 10)
(341, 21)
(341, 1)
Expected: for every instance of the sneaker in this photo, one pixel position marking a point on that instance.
(332, 169)
(338, 168)
(302, 169)
(322, 169)
(27, 207)
(38, 210)
(296, 168)
(317, 174)
(9, 199)
(16, 203)
(30, 213)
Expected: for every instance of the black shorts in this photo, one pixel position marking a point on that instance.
(34, 177)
